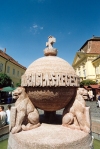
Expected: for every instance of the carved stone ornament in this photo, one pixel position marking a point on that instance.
(76, 115)
(50, 84)
(50, 81)
(24, 116)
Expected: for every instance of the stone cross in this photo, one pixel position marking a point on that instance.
(50, 42)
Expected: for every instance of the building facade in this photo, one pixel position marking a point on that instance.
(87, 61)
(11, 67)
(96, 63)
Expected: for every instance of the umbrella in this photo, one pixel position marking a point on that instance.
(8, 89)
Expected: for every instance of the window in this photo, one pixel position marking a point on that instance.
(79, 73)
(17, 73)
(13, 71)
(8, 69)
(1, 67)
(84, 73)
(78, 68)
(97, 70)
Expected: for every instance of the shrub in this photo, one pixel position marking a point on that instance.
(5, 80)
(87, 82)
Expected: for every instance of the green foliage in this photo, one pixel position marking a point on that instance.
(5, 80)
(18, 84)
(87, 82)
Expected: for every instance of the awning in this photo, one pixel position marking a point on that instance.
(8, 89)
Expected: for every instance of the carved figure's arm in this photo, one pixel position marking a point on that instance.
(12, 117)
(20, 117)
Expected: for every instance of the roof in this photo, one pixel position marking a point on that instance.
(9, 58)
(95, 86)
(91, 39)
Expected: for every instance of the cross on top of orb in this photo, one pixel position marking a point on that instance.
(50, 42)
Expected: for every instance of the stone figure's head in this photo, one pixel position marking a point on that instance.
(18, 93)
(83, 92)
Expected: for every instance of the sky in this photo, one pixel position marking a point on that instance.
(25, 26)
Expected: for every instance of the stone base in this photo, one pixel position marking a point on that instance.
(49, 136)
(96, 128)
(4, 132)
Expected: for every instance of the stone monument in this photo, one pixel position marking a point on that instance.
(50, 84)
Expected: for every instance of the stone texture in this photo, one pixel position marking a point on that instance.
(46, 97)
(4, 130)
(24, 116)
(50, 99)
(96, 126)
(77, 115)
(50, 81)
(49, 136)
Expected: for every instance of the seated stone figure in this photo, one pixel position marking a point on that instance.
(24, 116)
(77, 116)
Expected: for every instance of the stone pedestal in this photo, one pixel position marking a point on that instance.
(50, 136)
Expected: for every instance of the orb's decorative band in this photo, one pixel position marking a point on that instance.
(50, 79)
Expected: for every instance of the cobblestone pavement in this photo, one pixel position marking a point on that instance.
(94, 110)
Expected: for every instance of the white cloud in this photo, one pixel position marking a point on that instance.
(36, 28)
(41, 27)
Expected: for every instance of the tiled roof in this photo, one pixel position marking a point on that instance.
(95, 86)
(7, 57)
(94, 49)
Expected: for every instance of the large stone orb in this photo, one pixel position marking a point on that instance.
(50, 83)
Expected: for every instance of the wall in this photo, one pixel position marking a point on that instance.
(15, 77)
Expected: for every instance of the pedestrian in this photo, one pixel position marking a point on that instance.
(90, 93)
(8, 114)
(3, 116)
(98, 96)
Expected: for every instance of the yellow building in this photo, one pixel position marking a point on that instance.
(96, 63)
(11, 67)
(86, 62)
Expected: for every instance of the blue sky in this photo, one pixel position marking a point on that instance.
(26, 24)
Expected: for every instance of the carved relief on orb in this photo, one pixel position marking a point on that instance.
(50, 98)
(50, 81)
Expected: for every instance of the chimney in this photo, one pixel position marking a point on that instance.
(4, 50)
(93, 36)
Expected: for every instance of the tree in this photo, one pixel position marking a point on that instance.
(18, 84)
(87, 82)
(5, 80)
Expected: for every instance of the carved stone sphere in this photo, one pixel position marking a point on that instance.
(50, 83)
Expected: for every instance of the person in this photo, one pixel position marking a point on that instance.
(8, 114)
(3, 116)
(90, 93)
(98, 98)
